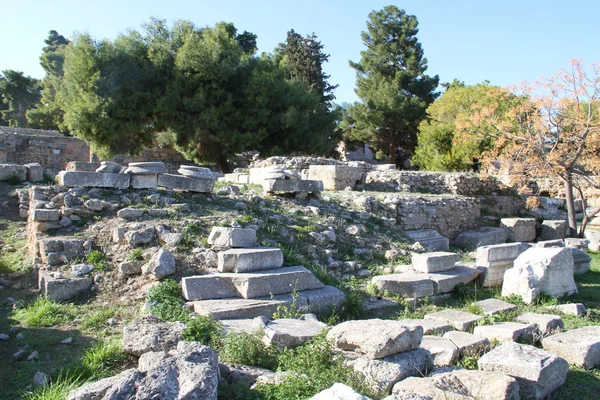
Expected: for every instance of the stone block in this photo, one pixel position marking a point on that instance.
(35, 172)
(63, 289)
(506, 332)
(553, 229)
(569, 309)
(468, 345)
(290, 333)
(430, 239)
(443, 351)
(550, 243)
(249, 260)
(184, 183)
(519, 229)
(407, 285)
(291, 186)
(580, 347)
(539, 271)
(375, 338)
(319, 301)
(109, 167)
(545, 324)
(93, 179)
(581, 261)
(434, 262)
(149, 181)
(13, 171)
(495, 306)
(576, 243)
(206, 287)
(82, 166)
(336, 177)
(238, 308)
(40, 214)
(273, 282)
(494, 260)
(430, 326)
(538, 372)
(460, 320)
(445, 282)
(130, 213)
(232, 237)
(338, 391)
(485, 236)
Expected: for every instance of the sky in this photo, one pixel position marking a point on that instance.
(503, 41)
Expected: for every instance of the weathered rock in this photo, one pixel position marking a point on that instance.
(494, 260)
(109, 167)
(460, 384)
(443, 350)
(576, 243)
(485, 236)
(581, 261)
(81, 269)
(41, 379)
(539, 271)
(338, 391)
(35, 172)
(291, 333)
(160, 265)
(249, 260)
(383, 373)
(569, 309)
(44, 215)
(232, 373)
(336, 177)
(192, 171)
(232, 237)
(429, 239)
(519, 229)
(434, 262)
(130, 267)
(184, 183)
(62, 289)
(411, 285)
(291, 186)
(93, 179)
(538, 372)
(445, 282)
(506, 331)
(146, 167)
(13, 171)
(375, 338)
(95, 205)
(553, 229)
(468, 345)
(578, 346)
(151, 334)
(550, 243)
(210, 286)
(460, 320)
(495, 306)
(545, 324)
(430, 326)
(130, 213)
(140, 236)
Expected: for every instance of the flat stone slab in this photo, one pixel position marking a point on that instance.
(519, 229)
(247, 325)
(545, 324)
(430, 326)
(485, 236)
(235, 308)
(93, 179)
(63, 289)
(319, 301)
(468, 345)
(145, 181)
(291, 186)
(375, 338)
(336, 177)
(206, 287)
(407, 285)
(445, 282)
(495, 306)
(273, 282)
(580, 347)
(185, 183)
(460, 320)
(232, 237)
(538, 372)
(430, 239)
(438, 261)
(249, 260)
(570, 309)
(291, 333)
(506, 332)
(443, 350)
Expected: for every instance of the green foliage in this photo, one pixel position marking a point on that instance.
(44, 312)
(136, 255)
(18, 93)
(97, 320)
(391, 83)
(97, 259)
(205, 330)
(59, 388)
(165, 302)
(248, 349)
(104, 359)
(14, 180)
(238, 391)
(289, 310)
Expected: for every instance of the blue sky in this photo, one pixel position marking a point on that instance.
(503, 41)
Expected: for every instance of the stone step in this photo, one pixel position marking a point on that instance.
(206, 287)
(434, 262)
(232, 237)
(249, 260)
(276, 281)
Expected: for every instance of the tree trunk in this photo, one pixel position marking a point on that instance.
(570, 205)
(392, 153)
(219, 158)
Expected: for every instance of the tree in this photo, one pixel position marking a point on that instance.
(48, 113)
(552, 131)
(437, 149)
(18, 93)
(391, 83)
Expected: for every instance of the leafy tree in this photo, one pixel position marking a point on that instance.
(391, 83)
(48, 113)
(552, 131)
(437, 150)
(18, 93)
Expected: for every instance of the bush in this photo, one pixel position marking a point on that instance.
(205, 330)
(44, 312)
(248, 349)
(97, 259)
(164, 301)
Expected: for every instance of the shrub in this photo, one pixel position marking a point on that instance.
(44, 312)
(164, 301)
(248, 349)
(97, 259)
(205, 330)
(136, 255)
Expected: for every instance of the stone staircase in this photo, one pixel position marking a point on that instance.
(251, 281)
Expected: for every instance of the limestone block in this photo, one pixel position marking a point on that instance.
(443, 351)
(13, 171)
(150, 334)
(553, 229)
(238, 308)
(545, 324)
(569, 309)
(185, 183)
(494, 260)
(434, 262)
(82, 166)
(35, 172)
(460, 320)
(576, 243)
(468, 345)
(335, 177)
(519, 229)
(40, 214)
(160, 265)
(205, 287)
(538, 372)
(430, 326)
(232, 237)
(485, 236)
(550, 243)
(146, 168)
(249, 260)
(290, 333)
(109, 167)
(130, 213)
(581, 261)
(445, 282)
(407, 285)
(430, 239)
(506, 332)
(580, 347)
(149, 181)
(320, 301)
(375, 338)
(495, 306)
(538, 271)
(272, 282)
(63, 289)
(291, 186)
(93, 179)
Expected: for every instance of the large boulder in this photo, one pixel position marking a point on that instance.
(151, 334)
(541, 270)
(375, 338)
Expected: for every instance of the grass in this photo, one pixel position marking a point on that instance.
(44, 312)
(97, 259)
(12, 256)
(248, 349)
(97, 320)
(59, 388)
(104, 359)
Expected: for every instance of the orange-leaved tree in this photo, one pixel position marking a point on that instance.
(553, 131)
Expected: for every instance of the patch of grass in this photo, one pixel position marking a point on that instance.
(97, 259)
(136, 255)
(13, 255)
(204, 330)
(44, 312)
(238, 391)
(104, 359)
(580, 385)
(97, 320)
(59, 388)
(248, 349)
(244, 220)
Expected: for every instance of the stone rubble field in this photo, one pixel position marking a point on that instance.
(123, 283)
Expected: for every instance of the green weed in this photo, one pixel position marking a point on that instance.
(136, 255)
(59, 388)
(204, 330)
(97, 320)
(248, 349)
(44, 312)
(165, 302)
(104, 359)
(97, 259)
